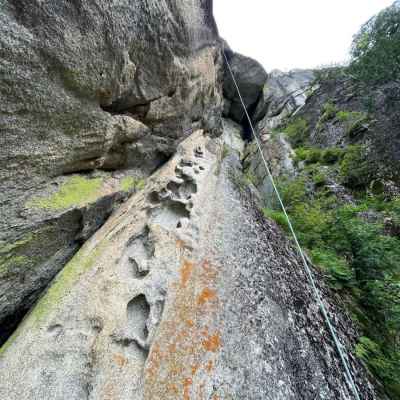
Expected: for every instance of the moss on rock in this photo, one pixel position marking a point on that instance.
(80, 263)
(76, 191)
(131, 183)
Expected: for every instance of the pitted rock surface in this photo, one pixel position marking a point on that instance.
(89, 86)
(186, 292)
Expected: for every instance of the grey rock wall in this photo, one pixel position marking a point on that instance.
(87, 86)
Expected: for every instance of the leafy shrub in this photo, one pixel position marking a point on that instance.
(278, 216)
(329, 111)
(386, 366)
(341, 273)
(354, 168)
(358, 258)
(319, 179)
(312, 155)
(376, 48)
(297, 131)
(309, 155)
(331, 155)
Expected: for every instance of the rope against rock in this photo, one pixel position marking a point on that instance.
(338, 345)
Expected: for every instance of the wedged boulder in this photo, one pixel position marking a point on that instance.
(87, 86)
(250, 76)
(186, 292)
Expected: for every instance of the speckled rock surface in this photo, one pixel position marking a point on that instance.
(87, 86)
(186, 292)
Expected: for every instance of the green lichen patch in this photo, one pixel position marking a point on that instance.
(8, 247)
(14, 256)
(65, 280)
(75, 192)
(9, 263)
(130, 183)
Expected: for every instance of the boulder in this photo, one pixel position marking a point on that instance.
(250, 77)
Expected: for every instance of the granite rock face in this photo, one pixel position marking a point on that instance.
(102, 90)
(186, 292)
(283, 94)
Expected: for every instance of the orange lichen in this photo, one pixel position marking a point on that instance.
(180, 244)
(209, 273)
(187, 383)
(212, 343)
(120, 360)
(185, 338)
(172, 388)
(206, 295)
(195, 368)
(172, 348)
(190, 323)
(186, 272)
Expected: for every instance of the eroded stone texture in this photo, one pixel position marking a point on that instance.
(109, 85)
(186, 292)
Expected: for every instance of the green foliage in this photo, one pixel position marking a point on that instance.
(131, 183)
(308, 155)
(345, 116)
(320, 179)
(251, 177)
(330, 72)
(357, 256)
(278, 216)
(355, 121)
(376, 48)
(387, 366)
(340, 272)
(313, 155)
(355, 170)
(332, 155)
(297, 131)
(76, 191)
(329, 111)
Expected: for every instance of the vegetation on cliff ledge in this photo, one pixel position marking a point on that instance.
(354, 238)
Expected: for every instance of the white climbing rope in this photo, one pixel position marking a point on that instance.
(340, 348)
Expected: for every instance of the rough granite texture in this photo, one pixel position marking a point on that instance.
(87, 86)
(186, 292)
(283, 94)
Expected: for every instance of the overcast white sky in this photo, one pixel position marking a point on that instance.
(288, 34)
